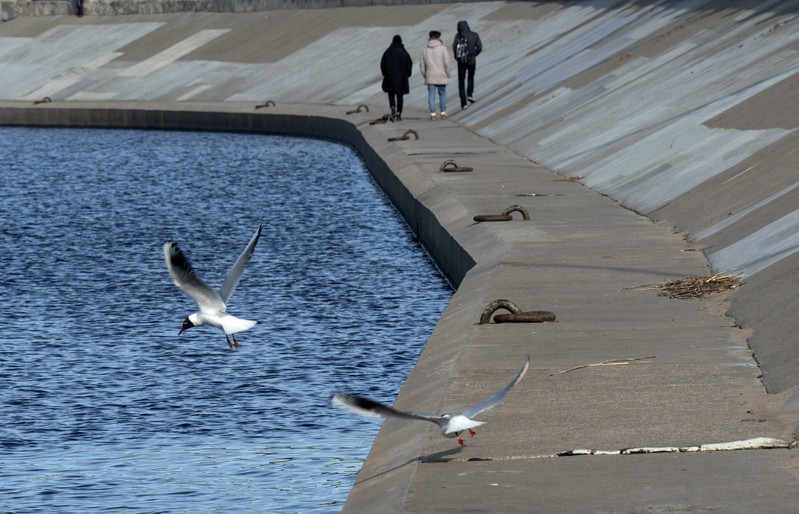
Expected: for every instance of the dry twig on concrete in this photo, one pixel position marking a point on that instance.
(694, 287)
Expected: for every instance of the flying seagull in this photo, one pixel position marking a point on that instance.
(449, 426)
(213, 305)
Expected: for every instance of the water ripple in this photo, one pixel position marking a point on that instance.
(104, 408)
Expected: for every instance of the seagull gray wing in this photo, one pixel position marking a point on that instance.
(497, 397)
(368, 407)
(234, 275)
(185, 278)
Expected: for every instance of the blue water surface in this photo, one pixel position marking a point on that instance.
(105, 408)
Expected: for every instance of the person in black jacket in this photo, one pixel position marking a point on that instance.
(396, 66)
(466, 56)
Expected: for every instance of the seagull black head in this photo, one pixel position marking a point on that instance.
(186, 325)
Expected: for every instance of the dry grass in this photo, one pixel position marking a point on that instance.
(694, 287)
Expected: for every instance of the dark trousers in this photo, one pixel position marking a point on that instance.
(465, 78)
(395, 100)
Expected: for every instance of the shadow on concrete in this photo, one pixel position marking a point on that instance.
(433, 457)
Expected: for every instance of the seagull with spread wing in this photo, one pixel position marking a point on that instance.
(212, 304)
(448, 425)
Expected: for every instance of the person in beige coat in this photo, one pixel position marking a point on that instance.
(435, 66)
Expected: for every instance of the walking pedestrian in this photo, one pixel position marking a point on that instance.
(396, 66)
(435, 66)
(466, 47)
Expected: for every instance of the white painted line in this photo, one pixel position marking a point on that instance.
(173, 53)
(71, 78)
(194, 92)
(88, 96)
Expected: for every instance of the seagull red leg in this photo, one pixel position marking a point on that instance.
(228, 342)
(235, 343)
(472, 432)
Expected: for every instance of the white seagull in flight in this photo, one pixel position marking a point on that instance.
(449, 426)
(213, 305)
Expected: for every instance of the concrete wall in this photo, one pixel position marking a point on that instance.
(683, 111)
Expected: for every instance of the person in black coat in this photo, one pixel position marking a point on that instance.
(468, 63)
(396, 66)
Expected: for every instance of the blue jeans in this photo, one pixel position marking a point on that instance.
(442, 97)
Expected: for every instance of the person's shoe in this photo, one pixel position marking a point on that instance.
(444, 116)
(398, 117)
(471, 99)
(432, 116)
(464, 107)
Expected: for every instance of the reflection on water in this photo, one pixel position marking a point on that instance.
(105, 407)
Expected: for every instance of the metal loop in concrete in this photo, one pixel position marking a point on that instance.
(405, 136)
(493, 217)
(358, 109)
(494, 306)
(505, 216)
(451, 165)
(526, 317)
(517, 208)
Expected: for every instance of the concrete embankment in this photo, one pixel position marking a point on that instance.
(679, 110)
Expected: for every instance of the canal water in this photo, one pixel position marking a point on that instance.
(105, 408)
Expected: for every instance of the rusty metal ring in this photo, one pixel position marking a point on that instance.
(494, 306)
(493, 217)
(517, 208)
(526, 317)
(265, 104)
(405, 136)
(505, 216)
(45, 100)
(358, 109)
(451, 165)
(516, 315)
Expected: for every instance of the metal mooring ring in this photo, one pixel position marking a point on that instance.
(265, 104)
(45, 100)
(525, 317)
(505, 216)
(358, 109)
(517, 208)
(493, 217)
(404, 137)
(451, 165)
(516, 315)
